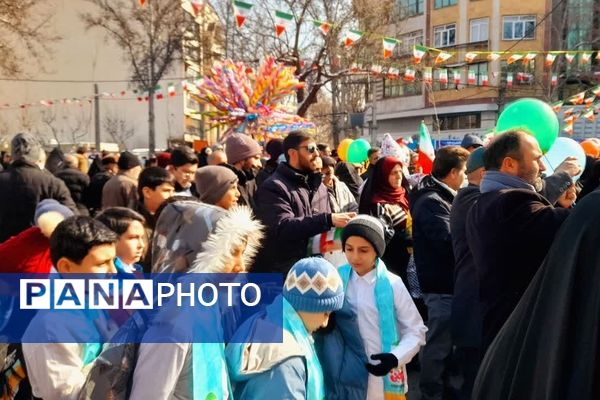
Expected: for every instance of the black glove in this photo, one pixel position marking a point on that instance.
(388, 362)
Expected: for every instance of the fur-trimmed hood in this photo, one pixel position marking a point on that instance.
(196, 237)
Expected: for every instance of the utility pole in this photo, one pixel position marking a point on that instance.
(373, 114)
(97, 117)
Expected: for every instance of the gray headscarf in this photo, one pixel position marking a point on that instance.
(26, 147)
(213, 181)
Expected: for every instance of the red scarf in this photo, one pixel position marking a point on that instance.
(382, 191)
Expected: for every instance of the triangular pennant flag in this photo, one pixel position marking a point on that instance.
(409, 74)
(569, 128)
(376, 69)
(197, 6)
(241, 10)
(528, 57)
(443, 56)
(123, 92)
(282, 20)
(549, 59)
(554, 79)
(352, 37)
(46, 103)
(393, 73)
(418, 53)
(513, 58)
(471, 80)
(589, 114)
(171, 89)
(354, 68)
(428, 75)
(443, 76)
(142, 2)
(388, 46)
(556, 105)
(484, 80)
(585, 58)
(469, 57)
(570, 57)
(588, 101)
(596, 90)
(493, 56)
(324, 27)
(509, 80)
(569, 111)
(160, 96)
(426, 152)
(577, 99)
(570, 119)
(456, 77)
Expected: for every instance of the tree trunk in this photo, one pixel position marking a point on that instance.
(151, 132)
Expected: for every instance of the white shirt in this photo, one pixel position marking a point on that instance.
(411, 330)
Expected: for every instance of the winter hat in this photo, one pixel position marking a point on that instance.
(25, 147)
(328, 162)
(239, 146)
(368, 228)
(51, 205)
(471, 140)
(128, 160)
(475, 160)
(314, 285)
(274, 148)
(163, 159)
(213, 181)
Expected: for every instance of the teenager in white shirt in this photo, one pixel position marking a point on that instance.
(378, 331)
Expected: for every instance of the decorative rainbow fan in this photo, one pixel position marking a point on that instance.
(249, 101)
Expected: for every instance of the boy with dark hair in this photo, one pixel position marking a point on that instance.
(129, 226)
(155, 185)
(184, 164)
(79, 245)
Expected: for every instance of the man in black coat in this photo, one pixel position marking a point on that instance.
(25, 184)
(76, 181)
(294, 206)
(243, 158)
(511, 227)
(430, 207)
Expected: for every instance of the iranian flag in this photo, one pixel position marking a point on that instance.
(142, 2)
(456, 77)
(443, 76)
(569, 111)
(556, 105)
(484, 80)
(428, 75)
(241, 10)
(409, 74)
(568, 128)
(469, 57)
(528, 57)
(493, 56)
(197, 6)
(589, 114)
(324, 27)
(588, 101)
(549, 59)
(586, 57)
(509, 80)
(596, 90)
(570, 57)
(577, 99)
(554, 79)
(352, 36)
(393, 73)
(389, 44)
(426, 152)
(282, 20)
(418, 53)
(443, 56)
(513, 58)
(471, 80)
(171, 89)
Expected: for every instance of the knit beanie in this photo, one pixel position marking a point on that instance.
(25, 147)
(128, 160)
(163, 159)
(213, 181)
(314, 285)
(475, 160)
(239, 146)
(368, 228)
(51, 205)
(274, 148)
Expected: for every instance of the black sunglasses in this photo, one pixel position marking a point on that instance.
(310, 149)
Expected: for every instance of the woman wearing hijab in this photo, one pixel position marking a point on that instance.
(385, 197)
(548, 348)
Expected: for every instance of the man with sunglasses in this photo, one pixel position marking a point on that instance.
(293, 203)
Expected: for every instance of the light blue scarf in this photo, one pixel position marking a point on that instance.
(384, 300)
(315, 386)
(496, 180)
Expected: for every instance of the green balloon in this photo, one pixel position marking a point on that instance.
(211, 396)
(532, 116)
(357, 151)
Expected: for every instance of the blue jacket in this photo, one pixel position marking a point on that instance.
(294, 207)
(286, 381)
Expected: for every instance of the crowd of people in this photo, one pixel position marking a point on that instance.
(450, 265)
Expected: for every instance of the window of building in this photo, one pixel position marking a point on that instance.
(445, 3)
(523, 74)
(410, 8)
(518, 27)
(400, 88)
(408, 41)
(457, 121)
(479, 29)
(481, 71)
(445, 35)
(438, 85)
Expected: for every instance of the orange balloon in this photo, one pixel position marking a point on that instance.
(591, 148)
(342, 149)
